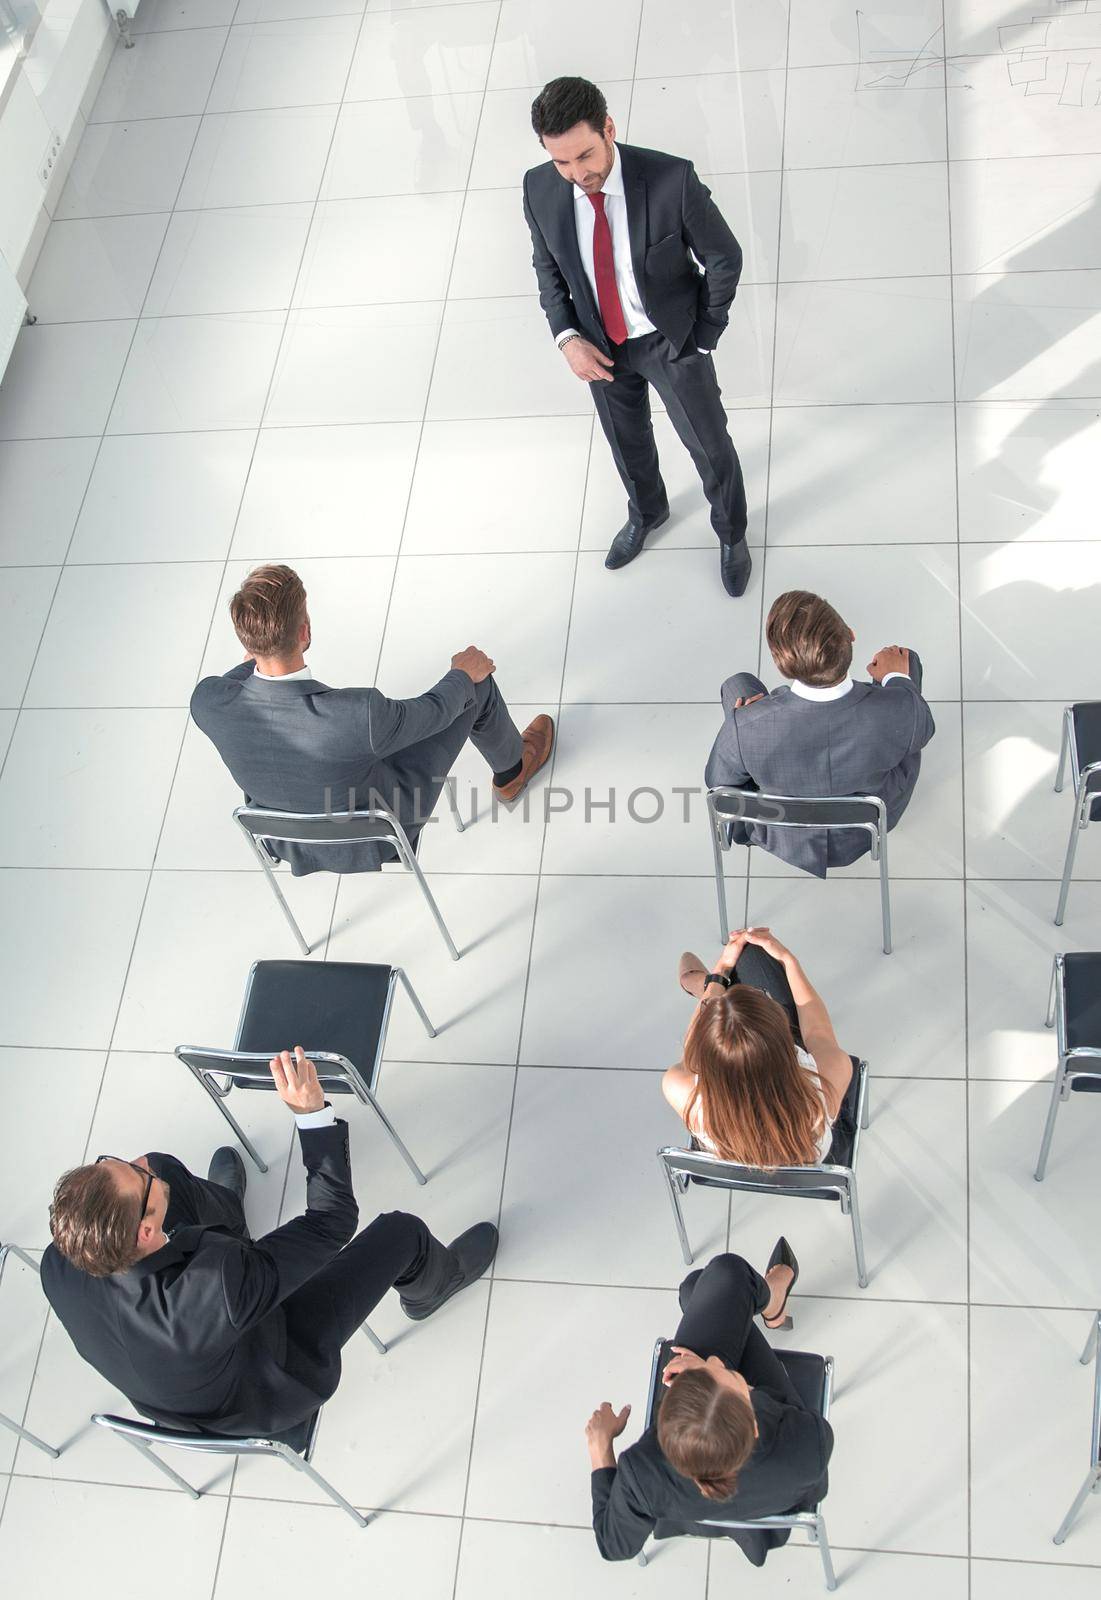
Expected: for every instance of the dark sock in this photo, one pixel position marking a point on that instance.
(502, 778)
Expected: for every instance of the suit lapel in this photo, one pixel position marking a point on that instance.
(568, 252)
(634, 195)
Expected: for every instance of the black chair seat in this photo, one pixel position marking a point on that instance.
(1082, 990)
(1087, 737)
(322, 1005)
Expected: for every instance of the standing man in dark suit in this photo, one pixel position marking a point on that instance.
(617, 232)
(155, 1279)
(822, 733)
(294, 744)
(732, 1439)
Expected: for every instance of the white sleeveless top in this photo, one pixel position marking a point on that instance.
(825, 1138)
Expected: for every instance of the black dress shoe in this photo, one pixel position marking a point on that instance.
(735, 564)
(629, 541)
(227, 1168)
(473, 1251)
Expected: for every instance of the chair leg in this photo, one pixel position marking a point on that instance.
(151, 1455)
(720, 882)
(1049, 1020)
(885, 894)
(394, 1135)
(1064, 746)
(417, 1007)
(1068, 864)
(324, 1485)
(824, 1551)
(278, 893)
(374, 1338)
(1093, 1479)
(17, 1250)
(678, 1215)
(453, 803)
(415, 867)
(1091, 1343)
(643, 1559)
(219, 1101)
(1049, 1125)
(31, 1438)
(858, 1233)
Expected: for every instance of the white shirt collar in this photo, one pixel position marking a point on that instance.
(807, 691)
(613, 183)
(282, 677)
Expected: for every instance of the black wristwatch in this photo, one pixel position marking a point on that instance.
(718, 977)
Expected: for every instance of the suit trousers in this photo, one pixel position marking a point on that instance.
(689, 391)
(396, 1250)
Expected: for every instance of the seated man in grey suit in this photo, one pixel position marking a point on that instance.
(294, 744)
(821, 734)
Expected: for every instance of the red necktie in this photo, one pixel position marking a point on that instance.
(611, 310)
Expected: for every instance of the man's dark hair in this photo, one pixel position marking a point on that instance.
(564, 103)
(94, 1222)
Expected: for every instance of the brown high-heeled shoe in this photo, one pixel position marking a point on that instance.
(688, 964)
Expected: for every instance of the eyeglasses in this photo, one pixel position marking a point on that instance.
(146, 1174)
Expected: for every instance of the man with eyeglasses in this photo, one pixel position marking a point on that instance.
(154, 1276)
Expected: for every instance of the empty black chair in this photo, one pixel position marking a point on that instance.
(726, 806)
(1082, 741)
(1092, 1484)
(1075, 1008)
(338, 1011)
(812, 1376)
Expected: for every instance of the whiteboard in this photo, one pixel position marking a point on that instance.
(13, 307)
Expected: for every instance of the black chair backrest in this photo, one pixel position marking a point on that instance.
(347, 827)
(806, 1370)
(791, 811)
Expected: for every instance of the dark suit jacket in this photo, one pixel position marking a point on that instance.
(195, 1335)
(868, 742)
(644, 1495)
(669, 214)
(301, 746)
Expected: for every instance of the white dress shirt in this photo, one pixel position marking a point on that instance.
(835, 691)
(282, 677)
(615, 209)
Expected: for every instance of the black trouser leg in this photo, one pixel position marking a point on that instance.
(690, 393)
(393, 1250)
(718, 1321)
(762, 971)
(623, 407)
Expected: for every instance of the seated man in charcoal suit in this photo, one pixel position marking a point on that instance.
(294, 744)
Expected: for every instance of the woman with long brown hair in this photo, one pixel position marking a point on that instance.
(763, 1077)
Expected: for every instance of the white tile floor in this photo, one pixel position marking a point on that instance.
(286, 311)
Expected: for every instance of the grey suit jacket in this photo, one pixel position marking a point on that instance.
(868, 742)
(301, 746)
(671, 217)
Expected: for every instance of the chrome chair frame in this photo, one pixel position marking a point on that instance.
(1092, 1484)
(253, 1065)
(813, 1523)
(381, 827)
(143, 1435)
(721, 823)
(1066, 1071)
(17, 1428)
(1084, 797)
(679, 1165)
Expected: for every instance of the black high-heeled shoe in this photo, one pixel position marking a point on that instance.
(782, 1256)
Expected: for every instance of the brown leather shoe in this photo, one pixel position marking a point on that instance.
(538, 744)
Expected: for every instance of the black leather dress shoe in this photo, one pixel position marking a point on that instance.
(227, 1168)
(735, 564)
(629, 541)
(471, 1254)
